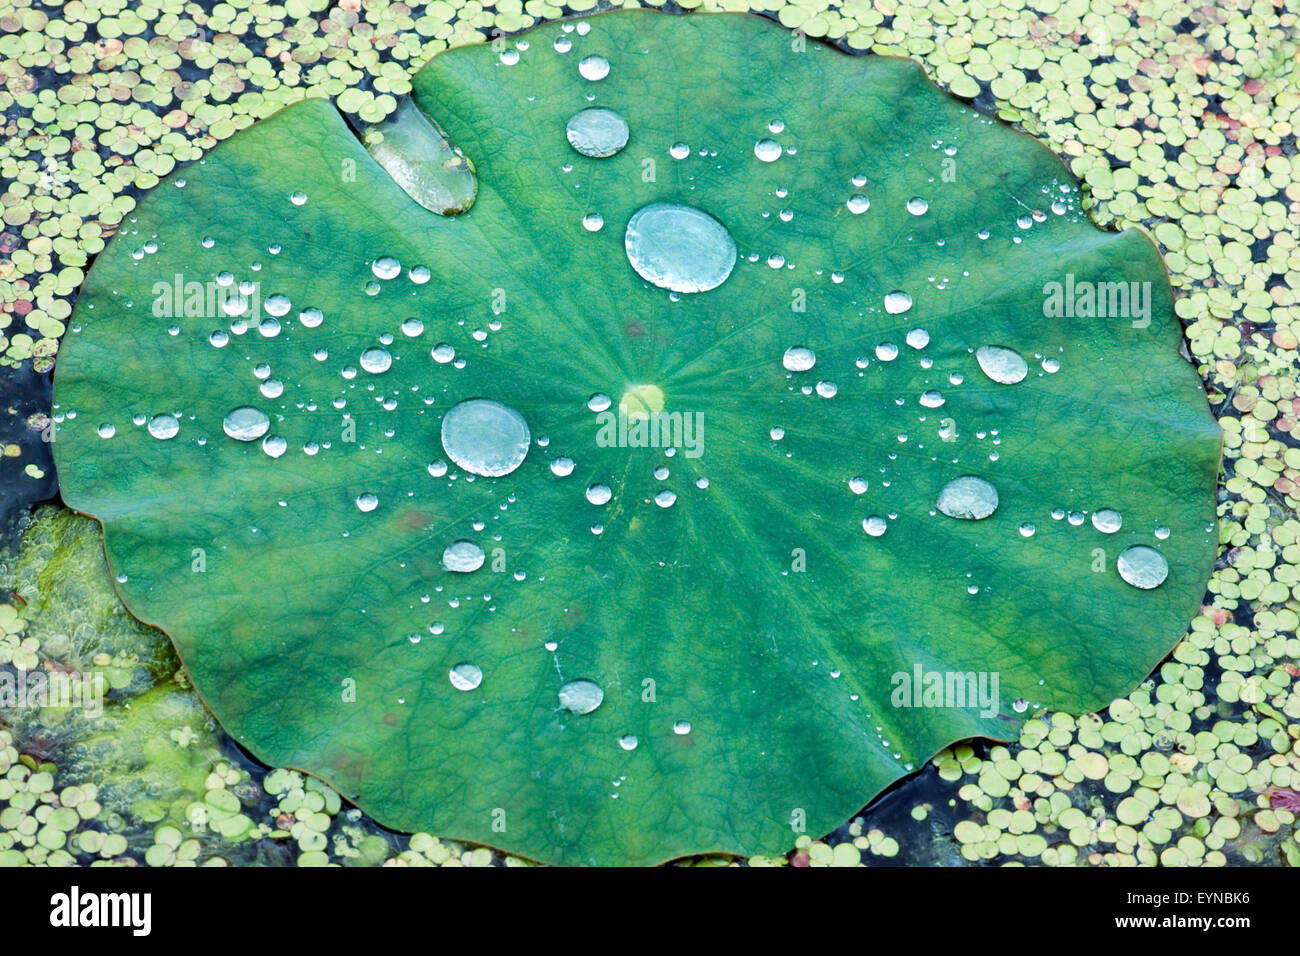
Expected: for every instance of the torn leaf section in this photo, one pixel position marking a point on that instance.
(420, 158)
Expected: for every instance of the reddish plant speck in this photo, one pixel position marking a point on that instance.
(1283, 798)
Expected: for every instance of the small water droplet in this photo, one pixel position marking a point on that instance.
(858, 485)
(1027, 530)
(412, 327)
(106, 430)
(1162, 532)
(827, 389)
(875, 525)
(275, 445)
(665, 498)
(562, 467)
(367, 501)
(932, 398)
(682, 727)
(443, 353)
(918, 338)
(628, 741)
(886, 351)
(917, 206)
(593, 222)
(858, 204)
(311, 318)
(599, 494)
(218, 339)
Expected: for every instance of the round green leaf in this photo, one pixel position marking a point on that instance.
(762, 661)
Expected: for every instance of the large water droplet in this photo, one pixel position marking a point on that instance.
(106, 430)
(581, 696)
(799, 359)
(628, 741)
(465, 676)
(424, 163)
(462, 556)
(679, 247)
(376, 360)
(367, 501)
(968, 497)
(875, 525)
(897, 302)
(164, 426)
(277, 305)
(246, 423)
(599, 494)
(485, 437)
(1142, 567)
(597, 132)
(917, 206)
(1005, 366)
(593, 67)
(386, 267)
(768, 150)
(1107, 520)
(858, 204)
(275, 445)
